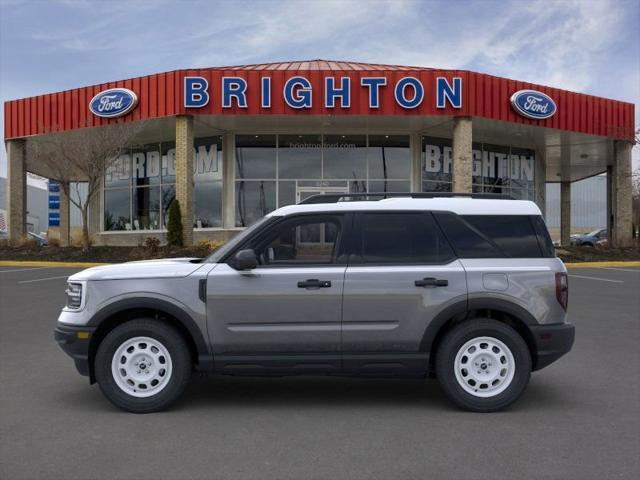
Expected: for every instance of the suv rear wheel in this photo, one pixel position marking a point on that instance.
(143, 365)
(483, 365)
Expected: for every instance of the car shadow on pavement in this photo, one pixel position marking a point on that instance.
(206, 392)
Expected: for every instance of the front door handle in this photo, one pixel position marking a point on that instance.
(431, 282)
(314, 283)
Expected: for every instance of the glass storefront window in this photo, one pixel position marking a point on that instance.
(146, 208)
(117, 209)
(389, 157)
(207, 178)
(345, 156)
(256, 156)
(300, 156)
(254, 199)
(151, 171)
(496, 168)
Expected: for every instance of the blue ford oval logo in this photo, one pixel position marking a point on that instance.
(114, 102)
(533, 104)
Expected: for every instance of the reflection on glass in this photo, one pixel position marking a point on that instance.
(345, 156)
(256, 156)
(116, 209)
(389, 156)
(168, 194)
(435, 186)
(146, 208)
(208, 205)
(146, 165)
(300, 156)
(118, 173)
(254, 199)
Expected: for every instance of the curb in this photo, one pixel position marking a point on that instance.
(27, 263)
(602, 264)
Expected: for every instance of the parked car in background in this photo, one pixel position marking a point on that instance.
(590, 239)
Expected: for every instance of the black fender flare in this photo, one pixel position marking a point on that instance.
(463, 307)
(205, 360)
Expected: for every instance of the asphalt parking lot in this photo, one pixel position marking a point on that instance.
(579, 418)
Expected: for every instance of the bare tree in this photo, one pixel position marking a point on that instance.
(82, 156)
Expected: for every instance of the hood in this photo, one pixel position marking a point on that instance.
(163, 268)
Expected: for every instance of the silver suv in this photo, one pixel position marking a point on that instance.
(462, 288)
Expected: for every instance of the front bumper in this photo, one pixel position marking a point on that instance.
(75, 343)
(552, 342)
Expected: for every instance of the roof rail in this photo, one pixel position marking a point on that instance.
(363, 196)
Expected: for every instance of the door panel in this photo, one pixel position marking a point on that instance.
(265, 312)
(384, 311)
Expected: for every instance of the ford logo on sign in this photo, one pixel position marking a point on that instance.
(533, 104)
(114, 102)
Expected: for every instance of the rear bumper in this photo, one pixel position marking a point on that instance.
(552, 342)
(75, 343)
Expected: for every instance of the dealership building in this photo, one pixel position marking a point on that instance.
(234, 143)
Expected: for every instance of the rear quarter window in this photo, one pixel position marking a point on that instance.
(513, 234)
(494, 236)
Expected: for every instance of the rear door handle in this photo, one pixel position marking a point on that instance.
(314, 283)
(431, 282)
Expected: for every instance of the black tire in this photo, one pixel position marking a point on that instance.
(177, 348)
(454, 340)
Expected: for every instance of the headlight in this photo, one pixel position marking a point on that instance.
(74, 295)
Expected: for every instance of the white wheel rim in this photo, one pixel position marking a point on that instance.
(141, 367)
(484, 367)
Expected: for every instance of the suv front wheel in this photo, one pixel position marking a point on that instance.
(483, 365)
(143, 365)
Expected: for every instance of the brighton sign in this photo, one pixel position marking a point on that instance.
(533, 104)
(408, 92)
(113, 103)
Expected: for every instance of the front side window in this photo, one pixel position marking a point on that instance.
(306, 240)
(401, 238)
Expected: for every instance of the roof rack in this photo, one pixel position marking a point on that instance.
(363, 196)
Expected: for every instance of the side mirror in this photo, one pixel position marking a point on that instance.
(245, 260)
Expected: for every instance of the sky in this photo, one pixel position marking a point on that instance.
(582, 45)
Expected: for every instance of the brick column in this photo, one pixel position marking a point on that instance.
(565, 213)
(228, 180)
(65, 219)
(622, 192)
(462, 154)
(184, 174)
(16, 191)
(415, 147)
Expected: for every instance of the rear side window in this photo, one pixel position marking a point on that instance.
(399, 238)
(544, 240)
(513, 234)
(467, 241)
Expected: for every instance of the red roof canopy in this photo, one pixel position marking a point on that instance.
(161, 95)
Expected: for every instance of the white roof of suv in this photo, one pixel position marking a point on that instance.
(459, 205)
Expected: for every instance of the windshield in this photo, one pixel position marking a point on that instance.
(231, 244)
(594, 233)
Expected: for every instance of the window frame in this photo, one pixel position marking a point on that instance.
(355, 250)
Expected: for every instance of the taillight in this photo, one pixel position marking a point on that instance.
(562, 289)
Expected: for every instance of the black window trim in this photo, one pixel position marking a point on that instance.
(355, 253)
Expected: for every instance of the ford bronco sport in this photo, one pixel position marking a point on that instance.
(465, 288)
